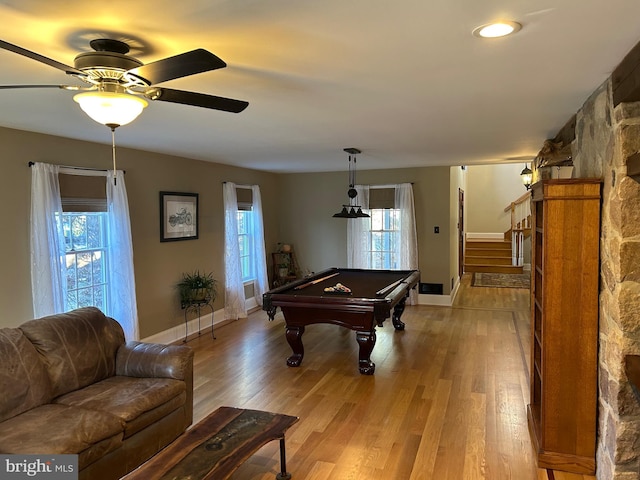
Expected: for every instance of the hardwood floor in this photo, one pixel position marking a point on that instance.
(447, 400)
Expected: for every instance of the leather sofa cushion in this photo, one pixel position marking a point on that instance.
(131, 399)
(55, 428)
(24, 382)
(78, 348)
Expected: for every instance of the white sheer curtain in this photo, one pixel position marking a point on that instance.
(122, 284)
(234, 300)
(359, 233)
(261, 282)
(234, 304)
(48, 256)
(48, 285)
(407, 237)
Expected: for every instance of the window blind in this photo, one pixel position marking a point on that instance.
(80, 193)
(382, 198)
(245, 198)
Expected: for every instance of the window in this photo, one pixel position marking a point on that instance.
(245, 242)
(385, 227)
(85, 238)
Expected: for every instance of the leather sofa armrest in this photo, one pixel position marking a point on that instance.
(153, 360)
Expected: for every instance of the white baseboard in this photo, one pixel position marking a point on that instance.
(177, 333)
(454, 292)
(440, 300)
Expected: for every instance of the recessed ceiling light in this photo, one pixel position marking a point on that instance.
(497, 29)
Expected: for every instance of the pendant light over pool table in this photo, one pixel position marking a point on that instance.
(351, 210)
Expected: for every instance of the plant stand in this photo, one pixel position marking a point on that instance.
(196, 306)
(285, 268)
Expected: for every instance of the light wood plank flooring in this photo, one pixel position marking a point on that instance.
(447, 400)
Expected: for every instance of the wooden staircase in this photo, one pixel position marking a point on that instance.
(489, 256)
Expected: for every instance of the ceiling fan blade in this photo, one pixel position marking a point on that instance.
(40, 58)
(182, 65)
(197, 99)
(6, 87)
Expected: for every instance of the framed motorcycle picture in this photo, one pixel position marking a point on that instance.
(178, 216)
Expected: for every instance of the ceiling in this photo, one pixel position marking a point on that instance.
(403, 81)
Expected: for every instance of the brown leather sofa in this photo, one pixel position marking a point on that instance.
(70, 384)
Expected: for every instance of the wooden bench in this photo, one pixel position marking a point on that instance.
(215, 447)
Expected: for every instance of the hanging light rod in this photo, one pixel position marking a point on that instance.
(351, 210)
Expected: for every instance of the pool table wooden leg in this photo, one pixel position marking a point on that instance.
(366, 340)
(397, 313)
(271, 312)
(294, 337)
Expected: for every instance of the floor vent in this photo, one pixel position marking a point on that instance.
(430, 288)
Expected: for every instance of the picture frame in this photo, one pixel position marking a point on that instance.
(178, 216)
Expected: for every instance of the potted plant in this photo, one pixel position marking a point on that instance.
(196, 287)
(283, 270)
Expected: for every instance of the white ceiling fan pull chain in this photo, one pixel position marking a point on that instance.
(113, 150)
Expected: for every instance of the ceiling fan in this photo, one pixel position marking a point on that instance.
(112, 75)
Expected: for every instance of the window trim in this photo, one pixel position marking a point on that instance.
(248, 213)
(66, 218)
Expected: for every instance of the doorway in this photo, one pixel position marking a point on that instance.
(460, 232)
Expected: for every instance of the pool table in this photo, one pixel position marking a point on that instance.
(374, 295)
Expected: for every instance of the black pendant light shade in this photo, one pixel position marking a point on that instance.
(344, 213)
(351, 210)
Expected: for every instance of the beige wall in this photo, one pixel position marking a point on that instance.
(158, 266)
(490, 188)
(298, 209)
(308, 201)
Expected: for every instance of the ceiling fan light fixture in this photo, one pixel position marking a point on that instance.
(111, 108)
(501, 28)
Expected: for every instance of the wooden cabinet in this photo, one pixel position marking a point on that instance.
(564, 323)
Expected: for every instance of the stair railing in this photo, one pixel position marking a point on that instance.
(520, 226)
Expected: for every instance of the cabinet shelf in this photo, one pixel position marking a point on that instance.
(564, 323)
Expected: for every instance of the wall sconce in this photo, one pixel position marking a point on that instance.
(527, 176)
(351, 210)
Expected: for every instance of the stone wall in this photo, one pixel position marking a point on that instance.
(605, 138)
